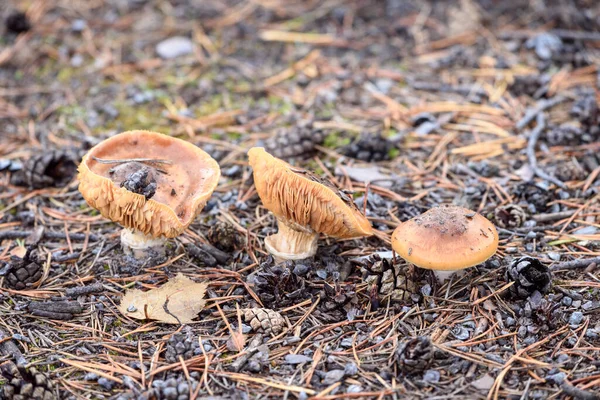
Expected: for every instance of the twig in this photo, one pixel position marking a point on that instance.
(249, 352)
(84, 290)
(126, 160)
(533, 138)
(577, 393)
(8, 347)
(575, 264)
(10, 235)
(553, 216)
(531, 114)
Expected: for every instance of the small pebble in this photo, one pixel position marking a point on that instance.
(588, 305)
(78, 25)
(431, 376)
(554, 256)
(174, 47)
(297, 359)
(350, 369)
(557, 378)
(333, 376)
(106, 383)
(567, 301)
(354, 389)
(77, 61)
(576, 318)
(426, 290)
(577, 303)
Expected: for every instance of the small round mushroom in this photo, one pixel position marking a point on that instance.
(446, 239)
(152, 184)
(305, 205)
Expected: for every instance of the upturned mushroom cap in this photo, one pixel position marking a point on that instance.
(303, 200)
(183, 185)
(446, 238)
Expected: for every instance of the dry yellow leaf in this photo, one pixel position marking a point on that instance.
(177, 302)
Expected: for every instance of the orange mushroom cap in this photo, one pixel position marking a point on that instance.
(185, 182)
(304, 201)
(446, 238)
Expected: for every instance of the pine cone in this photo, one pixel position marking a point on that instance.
(534, 195)
(529, 85)
(25, 384)
(369, 148)
(264, 320)
(23, 272)
(566, 135)
(294, 142)
(569, 171)
(141, 182)
(414, 355)
(509, 216)
(180, 344)
(223, 236)
(585, 108)
(388, 281)
(529, 275)
(338, 297)
(277, 284)
(176, 387)
(17, 22)
(55, 168)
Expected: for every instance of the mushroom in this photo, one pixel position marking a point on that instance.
(152, 184)
(305, 205)
(446, 239)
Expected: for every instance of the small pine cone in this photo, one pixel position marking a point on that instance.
(277, 284)
(17, 22)
(414, 355)
(534, 195)
(569, 171)
(528, 275)
(46, 169)
(585, 108)
(175, 387)
(295, 142)
(529, 85)
(23, 272)
(141, 182)
(387, 280)
(369, 148)
(180, 344)
(509, 216)
(337, 297)
(25, 384)
(224, 237)
(264, 320)
(565, 135)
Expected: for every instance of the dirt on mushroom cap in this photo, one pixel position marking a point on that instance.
(300, 200)
(183, 187)
(446, 238)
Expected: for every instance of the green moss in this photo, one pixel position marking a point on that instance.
(335, 140)
(393, 153)
(143, 116)
(66, 74)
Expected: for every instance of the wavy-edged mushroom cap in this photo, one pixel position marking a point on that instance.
(185, 178)
(446, 238)
(303, 201)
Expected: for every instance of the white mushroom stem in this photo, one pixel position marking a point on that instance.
(443, 276)
(291, 244)
(141, 246)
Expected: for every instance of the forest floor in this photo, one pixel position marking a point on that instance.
(491, 105)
